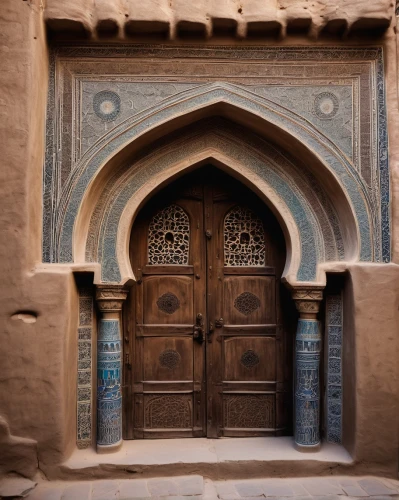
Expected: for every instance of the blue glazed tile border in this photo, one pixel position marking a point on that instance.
(84, 388)
(245, 100)
(383, 161)
(109, 375)
(334, 332)
(57, 248)
(307, 382)
(309, 239)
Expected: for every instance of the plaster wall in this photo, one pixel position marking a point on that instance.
(38, 355)
(35, 396)
(370, 365)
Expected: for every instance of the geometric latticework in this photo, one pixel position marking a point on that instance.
(169, 237)
(244, 239)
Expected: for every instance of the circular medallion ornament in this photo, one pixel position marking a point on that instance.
(326, 105)
(169, 358)
(247, 303)
(107, 105)
(249, 359)
(168, 303)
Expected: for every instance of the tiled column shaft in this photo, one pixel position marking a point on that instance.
(307, 369)
(109, 368)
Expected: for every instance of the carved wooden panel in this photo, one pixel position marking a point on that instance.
(168, 303)
(225, 383)
(249, 358)
(168, 411)
(249, 300)
(244, 238)
(169, 237)
(249, 411)
(168, 358)
(246, 303)
(168, 299)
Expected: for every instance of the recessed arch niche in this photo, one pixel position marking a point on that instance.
(311, 224)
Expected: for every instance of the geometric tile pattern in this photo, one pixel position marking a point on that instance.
(334, 331)
(307, 386)
(84, 389)
(338, 92)
(109, 396)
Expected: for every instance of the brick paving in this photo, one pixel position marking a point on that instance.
(197, 488)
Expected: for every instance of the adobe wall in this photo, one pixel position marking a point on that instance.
(39, 377)
(370, 368)
(38, 355)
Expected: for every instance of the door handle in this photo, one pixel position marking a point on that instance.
(219, 323)
(198, 331)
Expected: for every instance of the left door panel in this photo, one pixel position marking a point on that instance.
(165, 382)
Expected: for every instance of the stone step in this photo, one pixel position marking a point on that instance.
(216, 459)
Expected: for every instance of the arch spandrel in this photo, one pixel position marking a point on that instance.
(336, 170)
(333, 170)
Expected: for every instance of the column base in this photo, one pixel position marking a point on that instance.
(109, 448)
(308, 448)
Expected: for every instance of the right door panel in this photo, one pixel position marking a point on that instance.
(246, 391)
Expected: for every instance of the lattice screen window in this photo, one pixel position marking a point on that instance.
(244, 238)
(169, 237)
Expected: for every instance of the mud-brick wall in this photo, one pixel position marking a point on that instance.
(37, 309)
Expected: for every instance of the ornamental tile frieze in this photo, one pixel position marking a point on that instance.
(331, 99)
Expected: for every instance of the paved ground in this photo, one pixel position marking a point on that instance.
(198, 488)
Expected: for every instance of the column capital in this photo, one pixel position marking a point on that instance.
(307, 298)
(110, 298)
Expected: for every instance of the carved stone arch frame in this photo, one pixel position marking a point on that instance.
(339, 175)
(307, 295)
(307, 289)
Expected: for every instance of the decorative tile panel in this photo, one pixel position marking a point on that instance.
(84, 389)
(307, 385)
(334, 332)
(332, 99)
(109, 374)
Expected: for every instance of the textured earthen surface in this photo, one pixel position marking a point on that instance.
(376, 353)
(37, 386)
(17, 454)
(205, 18)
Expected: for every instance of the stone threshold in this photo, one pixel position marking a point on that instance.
(218, 459)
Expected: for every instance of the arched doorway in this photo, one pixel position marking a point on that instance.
(209, 351)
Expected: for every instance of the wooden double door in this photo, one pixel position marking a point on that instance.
(206, 350)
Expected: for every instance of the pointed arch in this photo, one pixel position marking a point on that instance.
(262, 115)
(311, 226)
